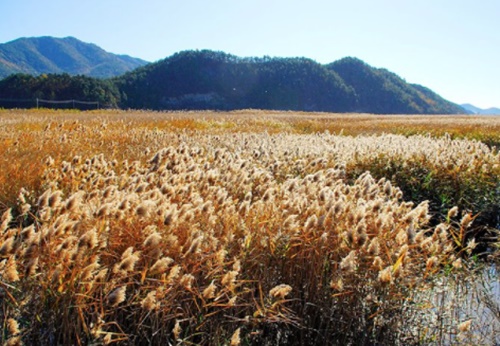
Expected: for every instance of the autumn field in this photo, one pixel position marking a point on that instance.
(247, 228)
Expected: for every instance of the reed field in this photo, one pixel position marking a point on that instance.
(248, 228)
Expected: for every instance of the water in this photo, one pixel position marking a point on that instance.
(455, 300)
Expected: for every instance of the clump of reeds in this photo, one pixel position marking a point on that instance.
(216, 238)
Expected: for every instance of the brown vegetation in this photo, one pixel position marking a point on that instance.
(217, 228)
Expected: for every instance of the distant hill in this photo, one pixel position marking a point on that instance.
(45, 68)
(476, 110)
(39, 55)
(381, 91)
(216, 80)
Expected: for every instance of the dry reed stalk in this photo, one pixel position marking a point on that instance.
(237, 215)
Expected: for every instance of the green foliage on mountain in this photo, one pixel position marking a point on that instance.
(212, 80)
(17, 90)
(37, 55)
(215, 80)
(383, 92)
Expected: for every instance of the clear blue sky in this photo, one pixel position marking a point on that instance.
(450, 46)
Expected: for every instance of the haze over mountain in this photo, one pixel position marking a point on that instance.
(37, 55)
(214, 80)
(476, 110)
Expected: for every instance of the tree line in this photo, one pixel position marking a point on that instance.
(215, 80)
(17, 90)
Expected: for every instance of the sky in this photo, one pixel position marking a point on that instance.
(449, 46)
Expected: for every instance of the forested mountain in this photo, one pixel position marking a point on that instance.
(213, 80)
(381, 91)
(38, 55)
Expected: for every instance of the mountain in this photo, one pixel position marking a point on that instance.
(476, 110)
(216, 80)
(204, 80)
(381, 91)
(39, 55)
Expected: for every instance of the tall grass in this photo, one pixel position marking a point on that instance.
(174, 229)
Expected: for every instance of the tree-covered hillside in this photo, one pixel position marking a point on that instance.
(38, 55)
(219, 81)
(215, 80)
(381, 91)
(18, 89)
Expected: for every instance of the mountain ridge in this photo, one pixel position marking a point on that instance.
(383, 91)
(46, 54)
(471, 109)
(215, 80)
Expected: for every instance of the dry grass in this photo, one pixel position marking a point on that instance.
(244, 227)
